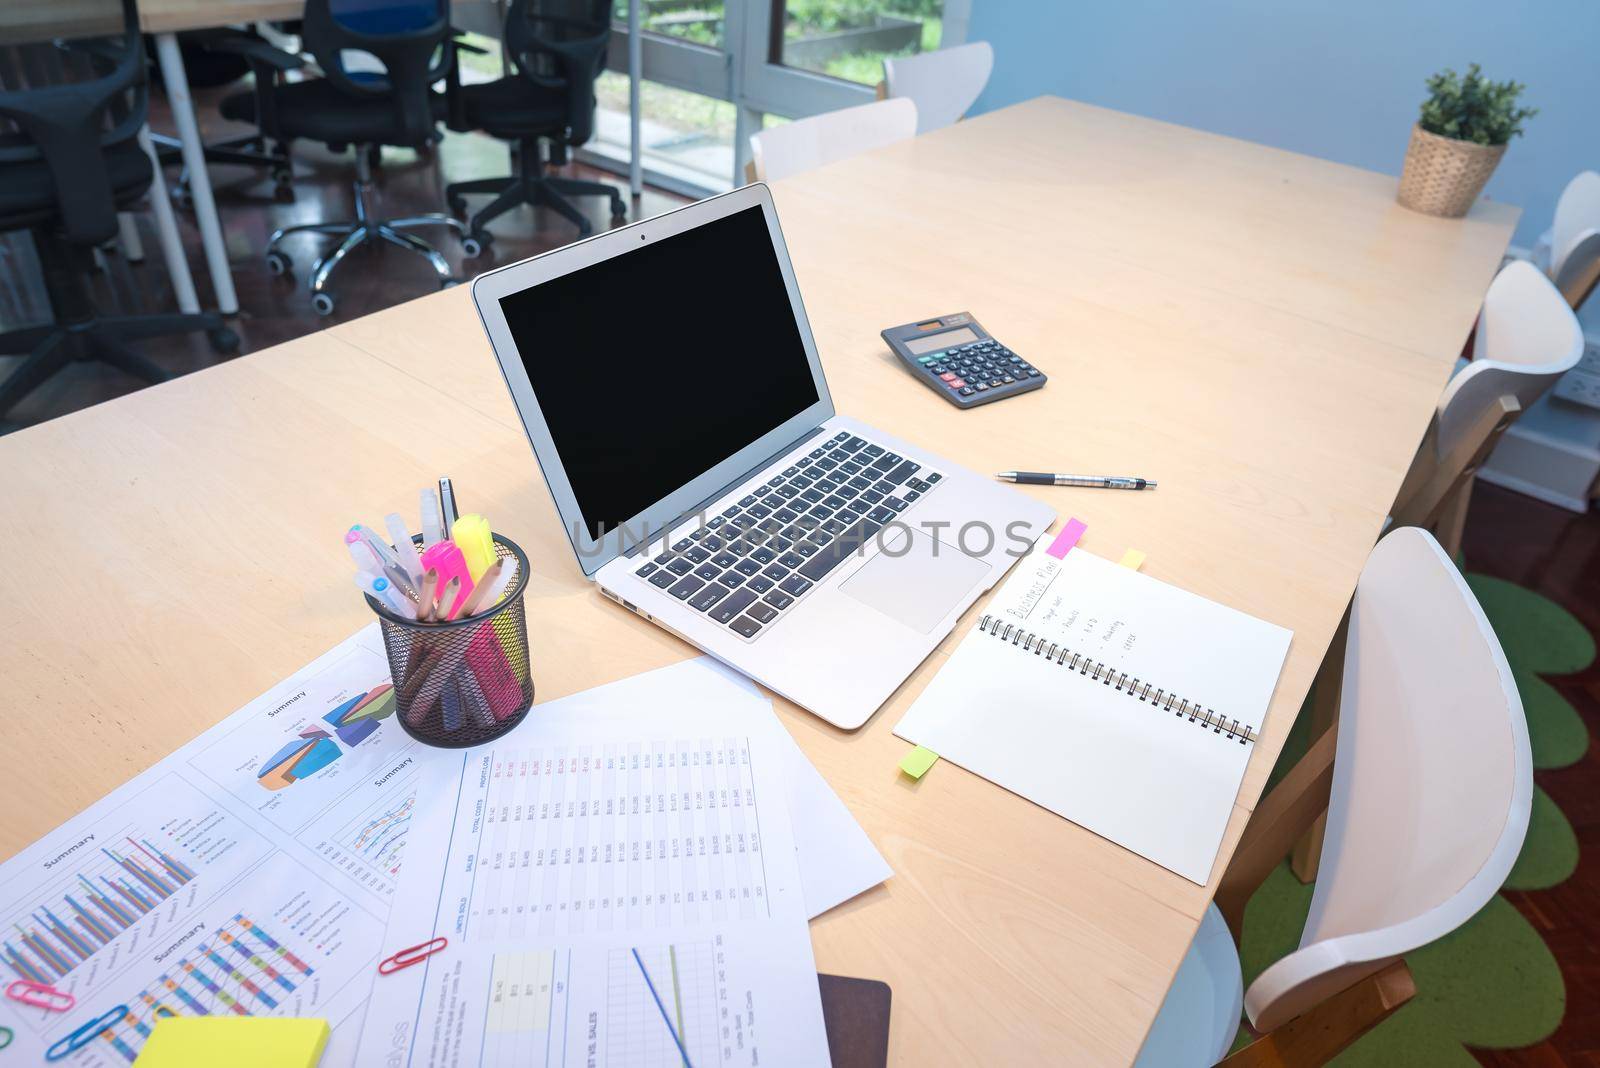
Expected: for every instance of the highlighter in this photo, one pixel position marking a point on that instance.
(472, 535)
(447, 560)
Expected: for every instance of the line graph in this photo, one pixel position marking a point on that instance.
(369, 845)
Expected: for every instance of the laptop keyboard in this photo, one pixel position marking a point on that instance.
(760, 556)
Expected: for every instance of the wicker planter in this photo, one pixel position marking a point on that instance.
(1443, 176)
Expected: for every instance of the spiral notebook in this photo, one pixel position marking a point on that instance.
(1122, 703)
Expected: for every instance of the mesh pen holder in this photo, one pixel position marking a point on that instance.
(466, 681)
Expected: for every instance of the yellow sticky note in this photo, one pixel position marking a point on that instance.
(1133, 558)
(237, 1041)
(917, 762)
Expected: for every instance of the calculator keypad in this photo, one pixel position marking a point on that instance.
(977, 368)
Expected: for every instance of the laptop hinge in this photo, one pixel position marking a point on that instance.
(661, 531)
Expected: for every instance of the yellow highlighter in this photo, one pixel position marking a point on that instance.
(472, 536)
(238, 1041)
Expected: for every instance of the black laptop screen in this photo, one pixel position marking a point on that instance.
(654, 366)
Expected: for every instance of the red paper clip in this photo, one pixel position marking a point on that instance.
(40, 995)
(407, 957)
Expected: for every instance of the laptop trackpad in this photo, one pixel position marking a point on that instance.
(919, 585)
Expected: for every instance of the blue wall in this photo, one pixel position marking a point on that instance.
(1339, 79)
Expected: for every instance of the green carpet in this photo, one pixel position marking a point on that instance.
(1493, 983)
(1536, 633)
(1550, 853)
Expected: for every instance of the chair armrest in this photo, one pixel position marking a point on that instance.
(463, 46)
(258, 51)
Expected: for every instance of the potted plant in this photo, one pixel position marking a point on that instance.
(1466, 123)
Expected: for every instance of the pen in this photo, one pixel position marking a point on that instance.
(385, 555)
(1036, 478)
(404, 548)
(388, 594)
(365, 559)
(447, 503)
(432, 522)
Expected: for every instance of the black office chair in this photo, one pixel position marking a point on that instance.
(413, 41)
(70, 159)
(559, 48)
(218, 57)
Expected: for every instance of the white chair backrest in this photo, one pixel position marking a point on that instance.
(1527, 338)
(833, 135)
(1577, 217)
(1432, 781)
(944, 84)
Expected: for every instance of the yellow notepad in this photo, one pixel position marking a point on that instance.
(237, 1041)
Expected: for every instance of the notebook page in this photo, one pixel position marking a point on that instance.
(1132, 771)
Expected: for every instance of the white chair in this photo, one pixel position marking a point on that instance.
(833, 135)
(1427, 806)
(1574, 239)
(944, 84)
(1527, 337)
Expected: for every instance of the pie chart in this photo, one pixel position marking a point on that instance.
(300, 759)
(358, 717)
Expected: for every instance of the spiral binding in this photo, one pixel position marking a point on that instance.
(1102, 672)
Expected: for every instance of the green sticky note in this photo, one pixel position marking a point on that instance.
(918, 761)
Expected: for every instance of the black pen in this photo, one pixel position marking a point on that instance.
(1035, 478)
(447, 505)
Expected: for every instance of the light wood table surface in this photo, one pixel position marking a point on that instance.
(1264, 333)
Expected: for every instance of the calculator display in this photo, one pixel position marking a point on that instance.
(942, 340)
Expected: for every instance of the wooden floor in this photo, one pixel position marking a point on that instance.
(1556, 553)
(1509, 536)
(274, 309)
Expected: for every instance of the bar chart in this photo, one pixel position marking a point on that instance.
(241, 969)
(107, 897)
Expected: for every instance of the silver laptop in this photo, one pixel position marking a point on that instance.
(668, 381)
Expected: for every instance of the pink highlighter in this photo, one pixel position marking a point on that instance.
(446, 558)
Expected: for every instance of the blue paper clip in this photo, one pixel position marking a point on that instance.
(85, 1034)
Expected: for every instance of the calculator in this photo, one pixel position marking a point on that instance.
(956, 358)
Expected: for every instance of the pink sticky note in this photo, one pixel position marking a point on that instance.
(1070, 533)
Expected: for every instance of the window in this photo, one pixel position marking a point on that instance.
(716, 70)
(848, 39)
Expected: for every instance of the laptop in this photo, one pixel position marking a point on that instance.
(669, 384)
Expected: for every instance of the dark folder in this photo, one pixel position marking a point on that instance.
(856, 1012)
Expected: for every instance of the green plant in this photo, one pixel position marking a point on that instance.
(1472, 108)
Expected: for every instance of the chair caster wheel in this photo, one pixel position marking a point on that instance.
(278, 264)
(223, 340)
(619, 211)
(475, 245)
(322, 303)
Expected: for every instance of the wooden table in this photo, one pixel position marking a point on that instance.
(1264, 333)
